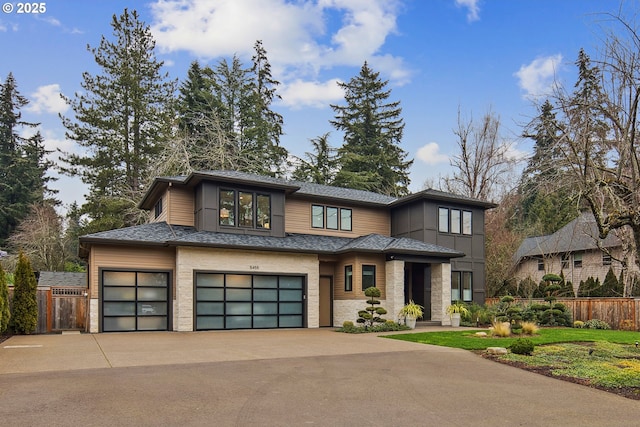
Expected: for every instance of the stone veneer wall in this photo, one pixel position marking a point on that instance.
(189, 259)
(440, 292)
(94, 316)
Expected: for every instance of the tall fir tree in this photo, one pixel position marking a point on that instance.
(320, 166)
(24, 307)
(545, 205)
(121, 118)
(23, 164)
(371, 157)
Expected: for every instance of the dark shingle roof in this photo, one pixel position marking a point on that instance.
(579, 235)
(161, 233)
(62, 278)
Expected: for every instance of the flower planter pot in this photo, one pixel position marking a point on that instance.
(455, 320)
(410, 322)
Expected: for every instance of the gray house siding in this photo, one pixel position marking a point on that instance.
(419, 220)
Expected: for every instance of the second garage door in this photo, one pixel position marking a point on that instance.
(248, 301)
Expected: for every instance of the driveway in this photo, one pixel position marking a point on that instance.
(280, 378)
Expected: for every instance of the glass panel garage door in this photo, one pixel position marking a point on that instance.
(245, 301)
(134, 301)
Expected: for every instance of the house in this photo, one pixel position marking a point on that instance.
(231, 250)
(575, 250)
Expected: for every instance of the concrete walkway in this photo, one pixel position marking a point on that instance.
(280, 378)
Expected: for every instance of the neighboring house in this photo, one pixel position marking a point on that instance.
(231, 250)
(62, 279)
(572, 250)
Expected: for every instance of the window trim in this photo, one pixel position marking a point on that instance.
(577, 260)
(337, 217)
(234, 208)
(464, 229)
(541, 264)
(342, 227)
(313, 216)
(443, 226)
(158, 207)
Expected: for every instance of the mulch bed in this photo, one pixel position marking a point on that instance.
(628, 392)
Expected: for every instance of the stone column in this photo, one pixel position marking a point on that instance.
(394, 283)
(440, 292)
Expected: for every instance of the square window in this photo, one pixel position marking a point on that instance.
(348, 278)
(368, 276)
(317, 216)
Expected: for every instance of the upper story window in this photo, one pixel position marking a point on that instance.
(565, 261)
(158, 207)
(331, 218)
(606, 258)
(540, 264)
(577, 260)
(252, 210)
(454, 221)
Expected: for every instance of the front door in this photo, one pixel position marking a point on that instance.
(325, 302)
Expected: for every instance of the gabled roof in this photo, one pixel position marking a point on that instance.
(163, 234)
(62, 278)
(581, 234)
(301, 189)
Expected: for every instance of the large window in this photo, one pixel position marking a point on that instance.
(461, 286)
(253, 210)
(455, 221)
(331, 218)
(368, 276)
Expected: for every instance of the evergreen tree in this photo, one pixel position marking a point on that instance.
(196, 100)
(121, 117)
(320, 166)
(610, 286)
(24, 308)
(5, 314)
(23, 166)
(545, 205)
(371, 157)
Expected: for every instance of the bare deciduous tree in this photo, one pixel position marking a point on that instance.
(482, 167)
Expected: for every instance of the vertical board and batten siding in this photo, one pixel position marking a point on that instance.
(364, 220)
(129, 258)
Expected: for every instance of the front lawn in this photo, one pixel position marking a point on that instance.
(605, 359)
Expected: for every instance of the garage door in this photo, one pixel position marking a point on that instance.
(248, 301)
(134, 301)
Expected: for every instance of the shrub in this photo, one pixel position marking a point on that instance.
(5, 314)
(529, 328)
(578, 324)
(596, 324)
(501, 329)
(522, 346)
(371, 315)
(24, 308)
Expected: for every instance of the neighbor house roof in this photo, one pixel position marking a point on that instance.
(62, 278)
(581, 234)
(163, 234)
(301, 189)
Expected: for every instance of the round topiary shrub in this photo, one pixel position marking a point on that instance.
(522, 346)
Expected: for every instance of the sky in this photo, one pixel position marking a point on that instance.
(440, 58)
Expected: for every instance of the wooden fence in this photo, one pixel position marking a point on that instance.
(619, 313)
(61, 309)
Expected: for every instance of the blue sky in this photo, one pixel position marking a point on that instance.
(438, 55)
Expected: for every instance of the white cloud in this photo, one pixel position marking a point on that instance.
(311, 94)
(301, 38)
(47, 100)
(473, 9)
(430, 154)
(537, 78)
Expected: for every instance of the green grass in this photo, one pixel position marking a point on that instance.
(601, 358)
(467, 340)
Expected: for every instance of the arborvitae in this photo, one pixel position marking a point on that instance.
(5, 313)
(24, 307)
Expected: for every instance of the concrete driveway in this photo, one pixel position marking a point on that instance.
(280, 378)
